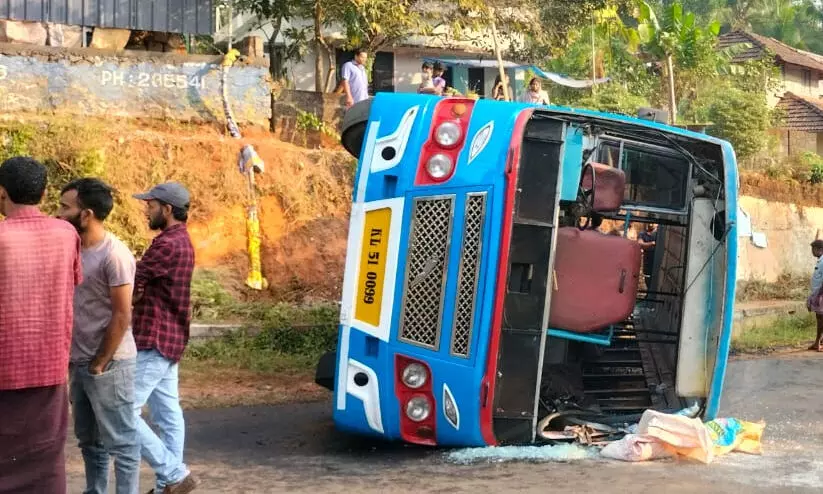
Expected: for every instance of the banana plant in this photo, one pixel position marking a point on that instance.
(677, 41)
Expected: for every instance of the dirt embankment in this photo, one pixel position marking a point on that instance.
(787, 191)
(304, 194)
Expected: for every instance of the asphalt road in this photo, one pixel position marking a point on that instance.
(294, 448)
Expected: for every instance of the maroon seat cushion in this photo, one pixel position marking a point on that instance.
(595, 280)
(610, 186)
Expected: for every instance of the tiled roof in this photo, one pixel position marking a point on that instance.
(782, 51)
(802, 112)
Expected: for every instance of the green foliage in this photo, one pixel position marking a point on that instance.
(782, 332)
(70, 151)
(312, 122)
(751, 76)
(288, 337)
(282, 351)
(817, 173)
(284, 336)
(272, 14)
(788, 286)
(615, 98)
(740, 117)
(794, 22)
(812, 166)
(375, 24)
(679, 42)
(210, 301)
(15, 142)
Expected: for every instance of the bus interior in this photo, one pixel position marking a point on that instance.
(610, 340)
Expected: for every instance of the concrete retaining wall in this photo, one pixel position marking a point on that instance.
(288, 103)
(131, 84)
(789, 230)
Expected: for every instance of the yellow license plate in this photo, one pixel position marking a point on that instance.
(372, 266)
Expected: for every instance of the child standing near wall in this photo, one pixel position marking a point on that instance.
(427, 84)
(438, 80)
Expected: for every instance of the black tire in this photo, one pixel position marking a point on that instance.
(324, 374)
(353, 127)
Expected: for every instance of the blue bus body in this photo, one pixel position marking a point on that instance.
(425, 272)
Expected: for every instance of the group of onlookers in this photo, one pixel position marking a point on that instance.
(84, 324)
(354, 82)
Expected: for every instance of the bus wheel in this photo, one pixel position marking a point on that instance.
(353, 127)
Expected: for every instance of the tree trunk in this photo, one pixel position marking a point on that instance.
(275, 65)
(275, 58)
(332, 65)
(499, 56)
(672, 102)
(318, 56)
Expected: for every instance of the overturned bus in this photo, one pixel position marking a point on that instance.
(480, 299)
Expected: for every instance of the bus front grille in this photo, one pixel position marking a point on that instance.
(468, 275)
(425, 280)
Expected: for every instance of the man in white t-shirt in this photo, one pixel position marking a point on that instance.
(103, 351)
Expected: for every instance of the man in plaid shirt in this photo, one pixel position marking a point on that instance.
(161, 318)
(39, 269)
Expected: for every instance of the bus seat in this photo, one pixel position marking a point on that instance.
(610, 186)
(594, 282)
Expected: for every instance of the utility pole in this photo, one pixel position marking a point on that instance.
(231, 24)
(594, 60)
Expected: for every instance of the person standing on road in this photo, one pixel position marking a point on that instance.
(354, 81)
(39, 268)
(103, 352)
(162, 314)
(815, 301)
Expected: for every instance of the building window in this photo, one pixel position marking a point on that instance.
(448, 76)
(477, 81)
(807, 79)
(382, 73)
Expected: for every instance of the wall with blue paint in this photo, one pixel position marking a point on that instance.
(130, 84)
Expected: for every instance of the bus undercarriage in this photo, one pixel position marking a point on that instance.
(662, 354)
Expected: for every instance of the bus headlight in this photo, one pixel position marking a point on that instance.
(448, 134)
(439, 166)
(415, 375)
(418, 409)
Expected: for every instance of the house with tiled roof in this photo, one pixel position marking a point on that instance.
(801, 93)
(802, 127)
